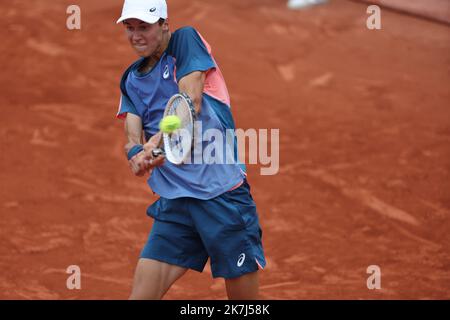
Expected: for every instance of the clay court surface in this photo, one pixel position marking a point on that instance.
(364, 125)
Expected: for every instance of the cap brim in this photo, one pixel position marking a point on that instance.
(139, 15)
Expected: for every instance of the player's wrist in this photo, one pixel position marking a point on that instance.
(137, 148)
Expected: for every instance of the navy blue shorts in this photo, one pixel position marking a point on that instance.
(188, 231)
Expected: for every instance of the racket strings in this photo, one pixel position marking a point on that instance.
(180, 141)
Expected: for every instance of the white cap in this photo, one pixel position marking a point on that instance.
(149, 11)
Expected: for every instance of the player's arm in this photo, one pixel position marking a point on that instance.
(193, 84)
(134, 136)
(193, 61)
(137, 159)
(133, 131)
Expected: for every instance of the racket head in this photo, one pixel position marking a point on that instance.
(178, 144)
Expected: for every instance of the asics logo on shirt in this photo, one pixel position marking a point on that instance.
(166, 72)
(241, 260)
(152, 9)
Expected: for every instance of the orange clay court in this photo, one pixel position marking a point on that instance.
(364, 175)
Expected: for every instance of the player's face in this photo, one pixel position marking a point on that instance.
(145, 38)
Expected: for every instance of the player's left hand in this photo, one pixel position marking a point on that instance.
(149, 147)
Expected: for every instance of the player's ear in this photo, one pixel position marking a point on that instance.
(165, 25)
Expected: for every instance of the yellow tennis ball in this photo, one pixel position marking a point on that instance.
(170, 123)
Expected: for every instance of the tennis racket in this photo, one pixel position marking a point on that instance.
(177, 145)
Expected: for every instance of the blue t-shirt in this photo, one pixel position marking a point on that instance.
(146, 96)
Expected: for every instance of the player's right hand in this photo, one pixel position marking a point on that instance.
(139, 164)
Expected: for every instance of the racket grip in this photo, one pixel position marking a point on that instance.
(157, 152)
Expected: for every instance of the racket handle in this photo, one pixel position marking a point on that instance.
(158, 152)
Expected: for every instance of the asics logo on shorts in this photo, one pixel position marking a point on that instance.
(241, 260)
(152, 9)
